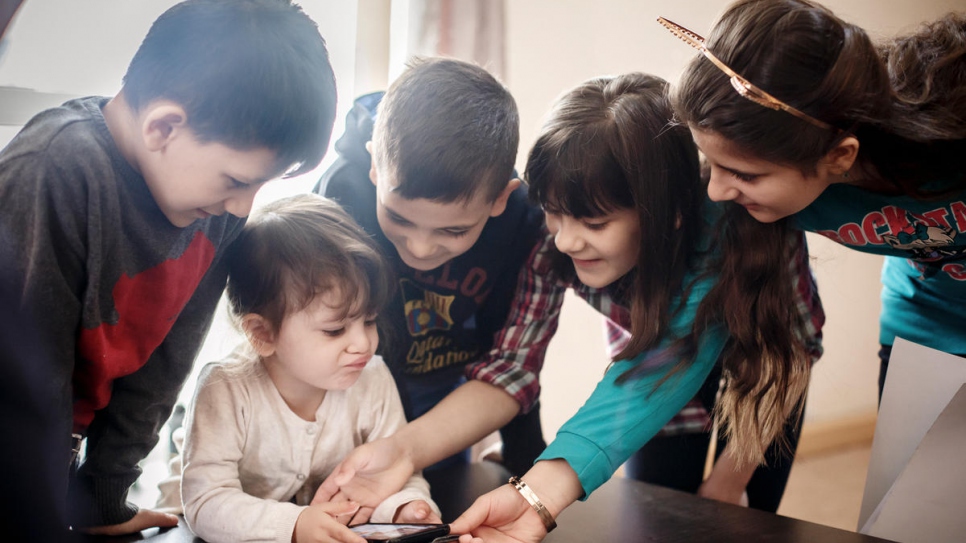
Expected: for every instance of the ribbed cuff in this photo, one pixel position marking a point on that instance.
(99, 502)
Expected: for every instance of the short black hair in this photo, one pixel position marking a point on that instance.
(249, 73)
(448, 130)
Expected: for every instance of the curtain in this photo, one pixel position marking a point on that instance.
(471, 30)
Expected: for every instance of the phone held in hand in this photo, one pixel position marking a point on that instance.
(400, 533)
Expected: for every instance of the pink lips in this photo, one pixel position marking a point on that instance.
(584, 263)
(359, 364)
(750, 206)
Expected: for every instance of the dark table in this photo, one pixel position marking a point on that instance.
(620, 511)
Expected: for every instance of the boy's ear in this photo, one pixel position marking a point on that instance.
(162, 122)
(373, 174)
(842, 156)
(260, 334)
(499, 205)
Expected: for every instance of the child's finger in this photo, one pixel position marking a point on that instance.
(363, 515)
(337, 509)
(419, 510)
(328, 489)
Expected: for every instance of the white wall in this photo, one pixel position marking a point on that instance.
(555, 44)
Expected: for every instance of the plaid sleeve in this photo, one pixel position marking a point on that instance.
(516, 358)
(807, 300)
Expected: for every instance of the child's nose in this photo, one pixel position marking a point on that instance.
(566, 238)
(241, 205)
(359, 340)
(420, 247)
(720, 187)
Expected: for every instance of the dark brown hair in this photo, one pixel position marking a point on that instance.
(926, 132)
(447, 130)
(905, 101)
(927, 70)
(608, 144)
(297, 248)
(767, 361)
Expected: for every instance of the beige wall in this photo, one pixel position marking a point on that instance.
(555, 44)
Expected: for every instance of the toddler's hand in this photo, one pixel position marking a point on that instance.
(325, 522)
(416, 511)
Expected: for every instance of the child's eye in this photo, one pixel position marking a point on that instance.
(596, 226)
(370, 321)
(457, 233)
(334, 333)
(746, 177)
(236, 184)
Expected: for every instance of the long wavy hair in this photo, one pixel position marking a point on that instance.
(905, 101)
(608, 145)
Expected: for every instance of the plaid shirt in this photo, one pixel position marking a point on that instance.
(518, 352)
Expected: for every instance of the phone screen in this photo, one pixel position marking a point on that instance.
(400, 532)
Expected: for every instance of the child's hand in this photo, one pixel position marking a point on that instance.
(144, 519)
(325, 522)
(727, 481)
(416, 511)
(370, 474)
(723, 493)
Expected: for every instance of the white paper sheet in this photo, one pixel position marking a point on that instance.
(920, 383)
(925, 504)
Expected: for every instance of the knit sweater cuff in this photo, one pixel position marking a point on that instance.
(284, 519)
(99, 502)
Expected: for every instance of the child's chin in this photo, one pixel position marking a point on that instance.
(343, 384)
(594, 281)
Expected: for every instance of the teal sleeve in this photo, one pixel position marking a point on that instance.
(618, 419)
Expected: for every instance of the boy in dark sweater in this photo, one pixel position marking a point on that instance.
(115, 214)
(439, 195)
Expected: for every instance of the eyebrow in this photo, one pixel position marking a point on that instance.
(726, 168)
(395, 216)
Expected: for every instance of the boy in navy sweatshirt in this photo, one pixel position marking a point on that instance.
(427, 170)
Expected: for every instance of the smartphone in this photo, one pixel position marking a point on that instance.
(400, 533)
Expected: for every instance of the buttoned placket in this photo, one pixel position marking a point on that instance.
(309, 437)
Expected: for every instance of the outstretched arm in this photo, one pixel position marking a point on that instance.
(618, 418)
